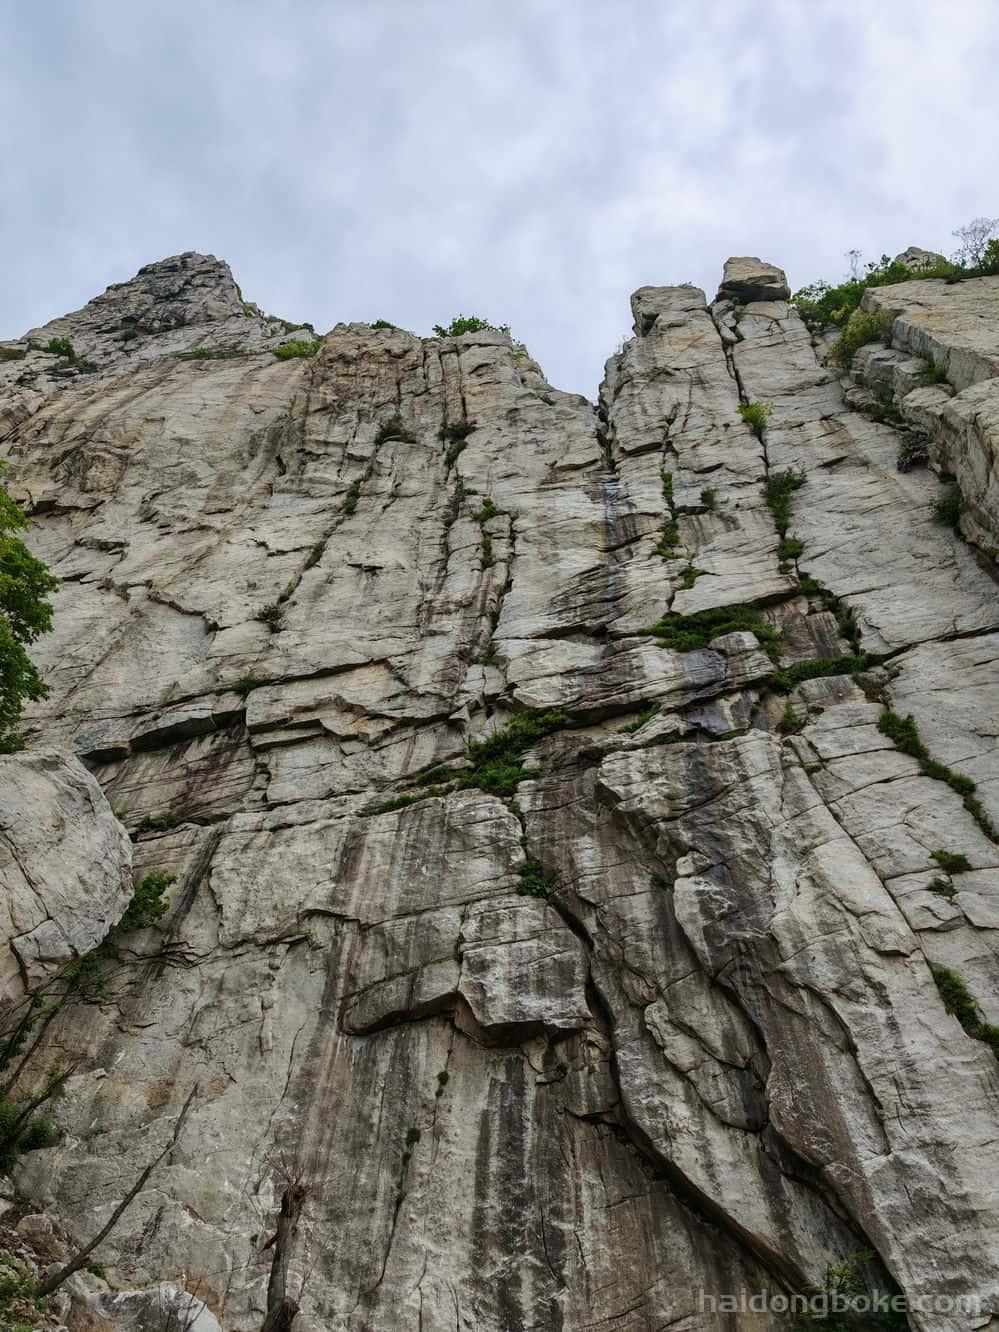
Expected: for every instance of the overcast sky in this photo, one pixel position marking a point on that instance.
(531, 161)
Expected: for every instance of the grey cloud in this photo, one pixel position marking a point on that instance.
(533, 162)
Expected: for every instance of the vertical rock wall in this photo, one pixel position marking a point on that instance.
(651, 1017)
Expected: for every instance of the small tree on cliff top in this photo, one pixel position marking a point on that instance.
(25, 612)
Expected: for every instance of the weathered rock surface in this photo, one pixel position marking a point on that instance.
(661, 1025)
(65, 868)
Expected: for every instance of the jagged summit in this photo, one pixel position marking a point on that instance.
(170, 307)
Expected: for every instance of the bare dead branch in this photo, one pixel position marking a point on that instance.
(53, 1282)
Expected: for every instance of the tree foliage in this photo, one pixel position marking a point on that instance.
(25, 612)
(468, 324)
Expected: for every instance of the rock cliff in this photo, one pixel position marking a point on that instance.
(563, 898)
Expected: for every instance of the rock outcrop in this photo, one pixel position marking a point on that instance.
(561, 898)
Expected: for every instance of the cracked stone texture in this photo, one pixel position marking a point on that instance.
(714, 1056)
(65, 868)
(951, 329)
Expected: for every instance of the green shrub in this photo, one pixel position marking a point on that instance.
(352, 495)
(936, 374)
(779, 489)
(789, 548)
(25, 614)
(709, 498)
(685, 633)
(949, 507)
(148, 904)
(12, 354)
(60, 347)
(297, 347)
(394, 428)
(17, 1293)
(863, 327)
(468, 324)
(532, 881)
(952, 863)
(488, 510)
(842, 1282)
(790, 723)
(822, 305)
(456, 436)
(22, 1131)
(755, 416)
(383, 323)
(990, 259)
(817, 668)
(497, 762)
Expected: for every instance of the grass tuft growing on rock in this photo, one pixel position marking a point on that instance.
(689, 576)
(755, 416)
(942, 887)
(780, 487)
(816, 668)
(686, 633)
(904, 733)
(846, 620)
(670, 540)
(645, 716)
(790, 722)
(958, 1000)
(952, 862)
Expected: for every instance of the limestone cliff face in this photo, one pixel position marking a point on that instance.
(707, 1051)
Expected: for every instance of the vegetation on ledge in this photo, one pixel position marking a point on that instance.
(686, 633)
(25, 613)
